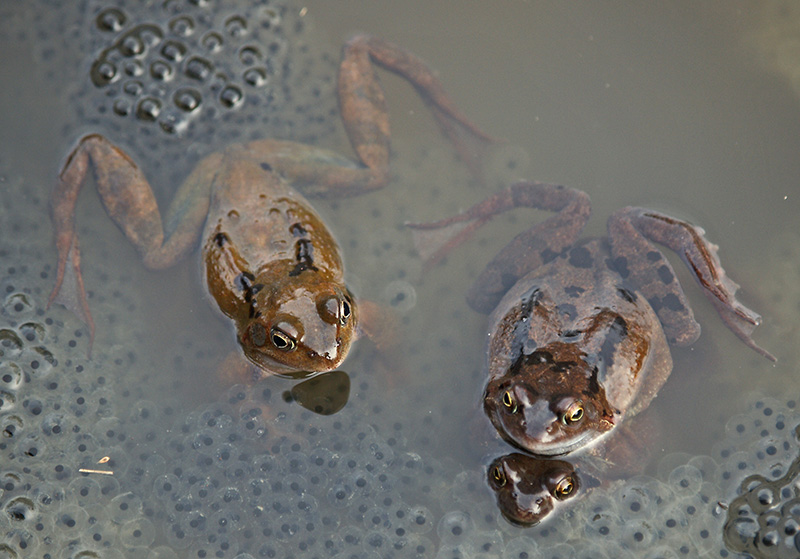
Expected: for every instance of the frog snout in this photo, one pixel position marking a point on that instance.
(325, 345)
(540, 422)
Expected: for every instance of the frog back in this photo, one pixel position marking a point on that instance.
(272, 266)
(267, 220)
(576, 310)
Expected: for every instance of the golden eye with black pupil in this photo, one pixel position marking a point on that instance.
(281, 340)
(573, 414)
(344, 311)
(498, 476)
(509, 402)
(564, 488)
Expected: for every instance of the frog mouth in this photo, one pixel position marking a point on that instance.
(559, 448)
(547, 445)
(269, 366)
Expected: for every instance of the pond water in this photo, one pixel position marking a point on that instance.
(685, 108)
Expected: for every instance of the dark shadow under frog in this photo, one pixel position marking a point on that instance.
(579, 329)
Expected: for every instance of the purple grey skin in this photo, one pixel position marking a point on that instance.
(578, 330)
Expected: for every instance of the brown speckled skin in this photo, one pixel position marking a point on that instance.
(582, 326)
(269, 261)
(586, 337)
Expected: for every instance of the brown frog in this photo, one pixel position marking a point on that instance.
(578, 337)
(578, 330)
(268, 260)
(528, 489)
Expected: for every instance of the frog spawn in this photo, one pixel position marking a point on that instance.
(158, 74)
(214, 480)
(739, 502)
(221, 479)
(61, 407)
(48, 410)
(169, 74)
(326, 487)
(761, 466)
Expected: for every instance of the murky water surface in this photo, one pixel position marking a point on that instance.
(683, 108)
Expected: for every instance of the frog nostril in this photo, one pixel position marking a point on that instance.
(258, 334)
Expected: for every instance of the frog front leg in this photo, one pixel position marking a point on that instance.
(637, 260)
(530, 249)
(130, 202)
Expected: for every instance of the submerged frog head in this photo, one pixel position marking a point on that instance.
(306, 327)
(528, 489)
(549, 406)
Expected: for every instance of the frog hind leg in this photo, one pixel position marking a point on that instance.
(130, 202)
(320, 172)
(363, 106)
(527, 251)
(69, 290)
(631, 229)
(68, 271)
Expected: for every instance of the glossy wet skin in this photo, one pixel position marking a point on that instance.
(274, 268)
(578, 332)
(579, 329)
(577, 344)
(567, 374)
(269, 261)
(529, 489)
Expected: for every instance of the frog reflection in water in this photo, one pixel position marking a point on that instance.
(268, 260)
(579, 329)
(529, 489)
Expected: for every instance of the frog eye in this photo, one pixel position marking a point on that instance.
(345, 310)
(573, 414)
(334, 309)
(564, 488)
(281, 340)
(498, 476)
(509, 402)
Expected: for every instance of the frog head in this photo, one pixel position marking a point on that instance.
(549, 406)
(528, 489)
(300, 329)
